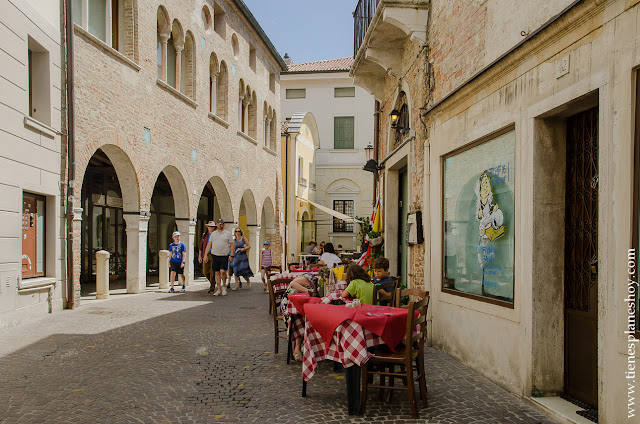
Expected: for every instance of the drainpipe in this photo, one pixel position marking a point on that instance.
(286, 197)
(376, 141)
(71, 152)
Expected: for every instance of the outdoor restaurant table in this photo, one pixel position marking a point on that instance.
(296, 304)
(343, 335)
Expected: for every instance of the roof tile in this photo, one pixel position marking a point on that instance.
(342, 64)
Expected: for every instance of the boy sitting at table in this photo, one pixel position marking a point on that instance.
(381, 275)
(359, 285)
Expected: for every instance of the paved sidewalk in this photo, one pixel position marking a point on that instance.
(194, 358)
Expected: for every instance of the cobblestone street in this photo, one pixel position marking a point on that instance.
(192, 357)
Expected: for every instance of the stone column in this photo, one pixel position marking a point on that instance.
(164, 38)
(137, 226)
(163, 269)
(178, 65)
(102, 274)
(77, 254)
(256, 247)
(240, 106)
(188, 237)
(214, 94)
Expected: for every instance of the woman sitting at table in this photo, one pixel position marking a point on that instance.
(359, 285)
(301, 284)
(329, 257)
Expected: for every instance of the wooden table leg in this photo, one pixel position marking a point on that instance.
(353, 374)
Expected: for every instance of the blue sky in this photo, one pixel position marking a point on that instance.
(307, 30)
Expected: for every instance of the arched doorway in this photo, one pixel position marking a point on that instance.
(103, 225)
(248, 221)
(169, 209)
(206, 208)
(267, 228)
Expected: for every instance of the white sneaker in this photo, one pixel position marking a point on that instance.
(224, 291)
(216, 293)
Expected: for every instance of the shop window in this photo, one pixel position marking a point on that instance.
(39, 82)
(33, 235)
(478, 220)
(343, 132)
(345, 207)
(344, 92)
(296, 93)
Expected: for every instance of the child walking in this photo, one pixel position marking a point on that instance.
(265, 262)
(178, 256)
(359, 285)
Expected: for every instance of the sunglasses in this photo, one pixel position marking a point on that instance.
(238, 231)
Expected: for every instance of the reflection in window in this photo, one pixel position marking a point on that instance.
(478, 225)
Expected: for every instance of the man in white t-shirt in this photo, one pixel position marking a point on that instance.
(220, 243)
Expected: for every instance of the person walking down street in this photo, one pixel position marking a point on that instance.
(202, 252)
(176, 263)
(241, 266)
(266, 261)
(220, 242)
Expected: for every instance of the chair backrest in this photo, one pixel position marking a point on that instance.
(273, 269)
(390, 298)
(414, 294)
(292, 264)
(277, 288)
(417, 317)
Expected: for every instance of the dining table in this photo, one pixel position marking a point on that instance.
(344, 334)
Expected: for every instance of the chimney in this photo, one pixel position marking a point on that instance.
(287, 59)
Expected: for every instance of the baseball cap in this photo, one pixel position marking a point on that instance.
(221, 221)
(266, 242)
(175, 233)
(211, 224)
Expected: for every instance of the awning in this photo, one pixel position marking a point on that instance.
(345, 218)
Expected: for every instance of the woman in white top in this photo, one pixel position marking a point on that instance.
(329, 258)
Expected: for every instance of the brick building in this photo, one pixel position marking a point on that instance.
(526, 166)
(176, 103)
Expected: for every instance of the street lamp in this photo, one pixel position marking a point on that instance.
(372, 164)
(395, 115)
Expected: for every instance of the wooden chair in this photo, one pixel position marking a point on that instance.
(271, 271)
(389, 298)
(414, 294)
(412, 350)
(279, 326)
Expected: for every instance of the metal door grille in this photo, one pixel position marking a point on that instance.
(581, 213)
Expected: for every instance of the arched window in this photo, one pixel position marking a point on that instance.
(111, 21)
(222, 90)
(207, 21)
(267, 121)
(242, 112)
(187, 84)
(253, 116)
(174, 59)
(273, 129)
(166, 53)
(213, 84)
(235, 46)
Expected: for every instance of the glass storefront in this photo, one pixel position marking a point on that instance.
(478, 220)
(103, 226)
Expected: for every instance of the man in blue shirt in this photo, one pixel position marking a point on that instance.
(178, 252)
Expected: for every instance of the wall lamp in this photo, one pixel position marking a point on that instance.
(395, 116)
(372, 164)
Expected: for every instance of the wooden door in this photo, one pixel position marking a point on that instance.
(581, 258)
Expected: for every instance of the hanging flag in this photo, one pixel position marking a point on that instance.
(377, 220)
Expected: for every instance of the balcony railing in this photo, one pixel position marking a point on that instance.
(361, 19)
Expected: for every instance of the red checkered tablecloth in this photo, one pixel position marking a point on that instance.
(348, 346)
(297, 321)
